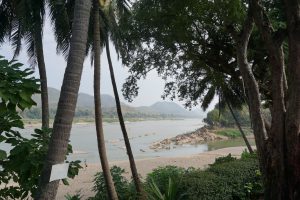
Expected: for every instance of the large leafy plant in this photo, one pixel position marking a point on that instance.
(24, 164)
(21, 167)
(16, 89)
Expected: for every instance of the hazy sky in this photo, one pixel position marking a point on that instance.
(150, 91)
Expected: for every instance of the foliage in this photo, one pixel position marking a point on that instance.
(23, 165)
(224, 180)
(125, 189)
(160, 176)
(24, 22)
(223, 117)
(231, 133)
(192, 50)
(171, 191)
(246, 154)
(25, 162)
(224, 159)
(255, 187)
(228, 178)
(73, 197)
(16, 88)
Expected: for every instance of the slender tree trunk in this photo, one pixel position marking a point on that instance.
(43, 77)
(67, 100)
(292, 128)
(133, 168)
(240, 128)
(98, 112)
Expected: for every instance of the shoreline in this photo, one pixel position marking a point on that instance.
(83, 182)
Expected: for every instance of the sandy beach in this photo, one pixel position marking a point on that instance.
(83, 182)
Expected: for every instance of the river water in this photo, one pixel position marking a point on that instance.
(141, 134)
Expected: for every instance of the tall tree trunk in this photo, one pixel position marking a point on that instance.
(67, 100)
(133, 168)
(239, 127)
(276, 180)
(43, 77)
(251, 85)
(292, 128)
(98, 112)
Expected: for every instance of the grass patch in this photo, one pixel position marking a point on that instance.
(232, 133)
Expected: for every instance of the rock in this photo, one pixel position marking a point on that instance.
(200, 135)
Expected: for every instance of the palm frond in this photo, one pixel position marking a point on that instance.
(61, 13)
(16, 38)
(208, 97)
(31, 50)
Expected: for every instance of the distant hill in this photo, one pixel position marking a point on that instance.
(83, 101)
(85, 105)
(169, 108)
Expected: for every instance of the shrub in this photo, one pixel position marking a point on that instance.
(24, 164)
(160, 176)
(246, 155)
(124, 188)
(171, 191)
(223, 180)
(224, 159)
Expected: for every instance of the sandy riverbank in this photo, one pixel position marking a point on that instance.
(83, 182)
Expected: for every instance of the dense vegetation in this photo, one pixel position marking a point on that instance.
(223, 117)
(108, 113)
(228, 178)
(22, 164)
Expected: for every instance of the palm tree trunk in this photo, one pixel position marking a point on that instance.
(98, 113)
(133, 168)
(67, 100)
(43, 77)
(239, 127)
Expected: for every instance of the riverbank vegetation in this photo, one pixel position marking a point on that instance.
(227, 178)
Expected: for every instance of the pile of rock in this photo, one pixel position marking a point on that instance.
(201, 135)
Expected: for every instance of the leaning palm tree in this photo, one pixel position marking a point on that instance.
(24, 21)
(97, 99)
(133, 168)
(117, 9)
(67, 100)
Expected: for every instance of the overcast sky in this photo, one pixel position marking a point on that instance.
(150, 91)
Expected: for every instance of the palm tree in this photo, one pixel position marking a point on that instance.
(97, 98)
(61, 15)
(108, 25)
(24, 20)
(133, 168)
(67, 100)
(119, 9)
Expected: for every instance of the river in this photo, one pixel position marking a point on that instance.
(141, 134)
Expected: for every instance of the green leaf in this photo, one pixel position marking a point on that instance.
(2, 138)
(3, 155)
(65, 181)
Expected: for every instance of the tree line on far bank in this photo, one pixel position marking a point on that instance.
(222, 117)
